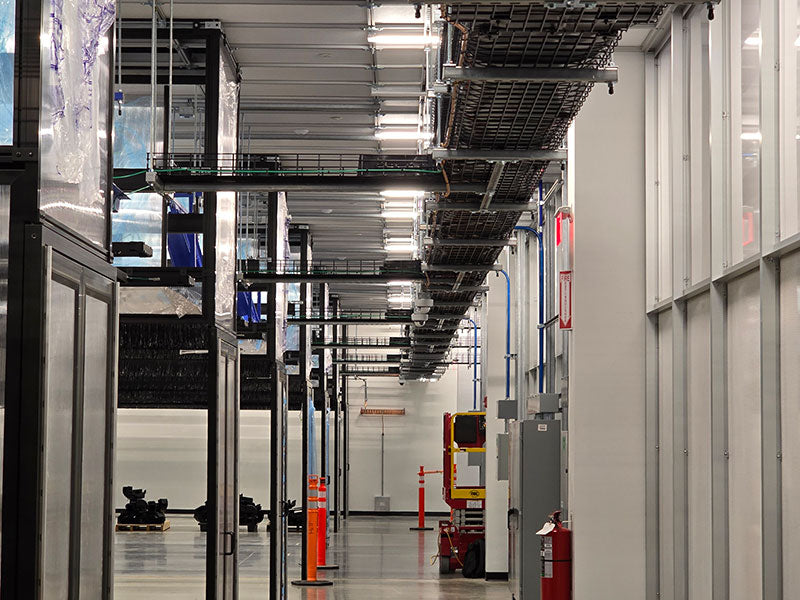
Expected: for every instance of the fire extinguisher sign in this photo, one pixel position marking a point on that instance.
(565, 300)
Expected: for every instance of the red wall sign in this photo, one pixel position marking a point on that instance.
(565, 300)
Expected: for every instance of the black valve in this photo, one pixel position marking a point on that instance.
(710, 7)
(610, 89)
(418, 11)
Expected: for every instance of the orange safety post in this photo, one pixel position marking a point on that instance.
(312, 525)
(322, 537)
(421, 510)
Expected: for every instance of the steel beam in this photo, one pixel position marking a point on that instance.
(498, 155)
(176, 182)
(532, 74)
(476, 207)
(460, 268)
(470, 243)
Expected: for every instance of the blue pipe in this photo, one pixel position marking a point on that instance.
(540, 327)
(474, 365)
(508, 334)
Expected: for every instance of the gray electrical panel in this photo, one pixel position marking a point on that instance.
(534, 493)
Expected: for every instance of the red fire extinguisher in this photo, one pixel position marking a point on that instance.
(556, 559)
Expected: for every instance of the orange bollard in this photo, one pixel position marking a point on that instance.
(312, 524)
(421, 500)
(322, 537)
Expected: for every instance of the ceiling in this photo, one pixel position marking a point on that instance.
(313, 82)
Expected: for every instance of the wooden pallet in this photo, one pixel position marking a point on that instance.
(142, 526)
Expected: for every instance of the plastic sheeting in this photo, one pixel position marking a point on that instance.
(73, 129)
(159, 301)
(139, 219)
(280, 289)
(7, 38)
(226, 201)
(132, 134)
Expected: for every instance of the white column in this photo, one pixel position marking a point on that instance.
(496, 491)
(607, 378)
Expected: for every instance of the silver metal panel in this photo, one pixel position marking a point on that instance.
(665, 455)
(93, 480)
(5, 206)
(58, 431)
(744, 434)
(502, 457)
(534, 486)
(698, 375)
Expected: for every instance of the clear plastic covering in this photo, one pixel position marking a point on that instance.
(139, 219)
(7, 38)
(160, 301)
(280, 288)
(132, 133)
(73, 128)
(226, 201)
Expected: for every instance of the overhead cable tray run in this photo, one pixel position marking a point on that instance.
(389, 317)
(199, 172)
(516, 76)
(363, 342)
(255, 273)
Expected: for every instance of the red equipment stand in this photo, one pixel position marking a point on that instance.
(463, 432)
(322, 538)
(312, 524)
(421, 516)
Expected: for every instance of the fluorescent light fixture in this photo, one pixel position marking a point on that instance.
(797, 41)
(399, 299)
(754, 40)
(388, 39)
(401, 193)
(399, 119)
(751, 136)
(399, 204)
(399, 247)
(399, 240)
(390, 134)
(399, 283)
(398, 214)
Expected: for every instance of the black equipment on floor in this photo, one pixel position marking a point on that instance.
(250, 514)
(139, 511)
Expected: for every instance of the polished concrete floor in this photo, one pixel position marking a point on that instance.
(379, 559)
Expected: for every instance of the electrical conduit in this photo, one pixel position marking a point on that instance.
(540, 302)
(474, 365)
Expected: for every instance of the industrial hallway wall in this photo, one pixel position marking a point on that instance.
(411, 440)
(723, 305)
(607, 371)
(164, 450)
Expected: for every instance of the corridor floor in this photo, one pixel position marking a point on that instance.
(379, 559)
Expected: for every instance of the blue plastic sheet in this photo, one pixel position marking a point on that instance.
(7, 37)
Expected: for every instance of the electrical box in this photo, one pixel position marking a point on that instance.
(502, 457)
(382, 504)
(534, 492)
(506, 409)
(544, 403)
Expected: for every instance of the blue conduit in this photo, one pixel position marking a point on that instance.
(508, 334)
(540, 327)
(474, 365)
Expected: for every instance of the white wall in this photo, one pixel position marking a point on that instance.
(164, 451)
(496, 491)
(607, 374)
(411, 440)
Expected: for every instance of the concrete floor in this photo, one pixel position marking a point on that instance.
(379, 558)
